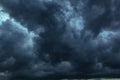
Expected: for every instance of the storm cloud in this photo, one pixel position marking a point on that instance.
(41, 38)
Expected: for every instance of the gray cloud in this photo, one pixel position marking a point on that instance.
(60, 37)
(17, 43)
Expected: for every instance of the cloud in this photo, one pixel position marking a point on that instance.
(53, 36)
(17, 43)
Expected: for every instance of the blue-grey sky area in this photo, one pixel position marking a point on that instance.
(41, 38)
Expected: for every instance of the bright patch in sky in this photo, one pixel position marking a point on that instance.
(77, 23)
(106, 36)
(67, 9)
(3, 16)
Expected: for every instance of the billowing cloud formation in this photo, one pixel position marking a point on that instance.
(17, 43)
(42, 38)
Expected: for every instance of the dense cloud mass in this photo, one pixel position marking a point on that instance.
(41, 38)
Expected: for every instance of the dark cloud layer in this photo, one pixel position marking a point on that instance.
(41, 38)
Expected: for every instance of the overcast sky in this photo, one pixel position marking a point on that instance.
(40, 38)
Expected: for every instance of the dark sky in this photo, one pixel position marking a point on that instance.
(39, 38)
